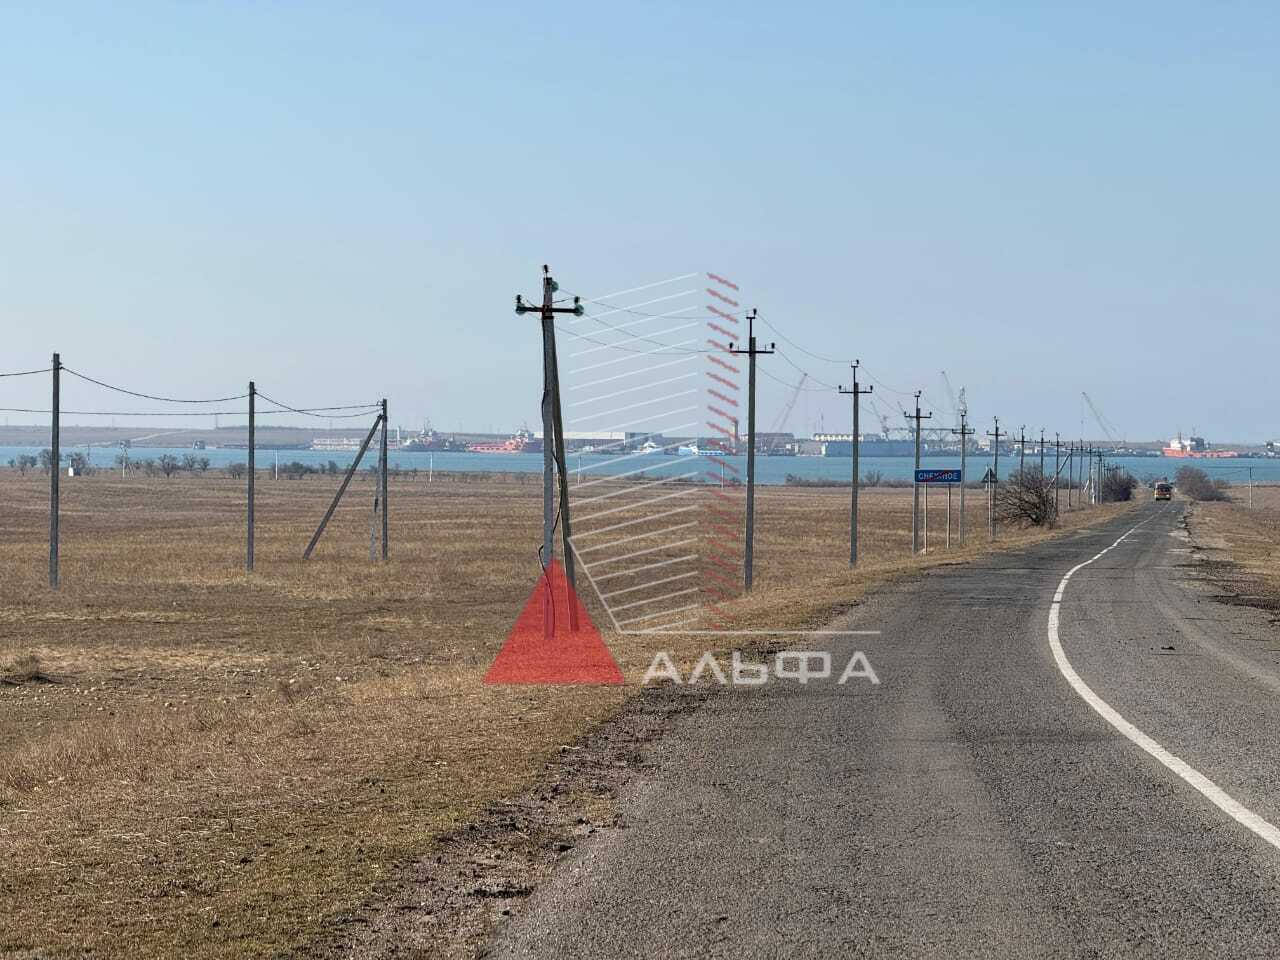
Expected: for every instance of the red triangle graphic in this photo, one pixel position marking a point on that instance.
(567, 655)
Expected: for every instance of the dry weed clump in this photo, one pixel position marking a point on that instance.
(25, 669)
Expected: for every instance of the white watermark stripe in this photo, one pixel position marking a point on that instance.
(640, 553)
(639, 506)
(642, 386)
(638, 536)
(629, 373)
(642, 303)
(627, 523)
(638, 487)
(631, 473)
(651, 583)
(647, 566)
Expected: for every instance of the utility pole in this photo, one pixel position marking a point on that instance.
(385, 469)
(55, 442)
(553, 436)
(248, 560)
(1022, 448)
(751, 353)
(1081, 500)
(1042, 451)
(1071, 471)
(1057, 468)
(915, 486)
(965, 432)
(854, 392)
(1086, 475)
(995, 476)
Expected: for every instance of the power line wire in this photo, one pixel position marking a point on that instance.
(166, 413)
(317, 411)
(810, 353)
(26, 373)
(148, 396)
(823, 383)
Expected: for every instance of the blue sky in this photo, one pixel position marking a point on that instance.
(340, 201)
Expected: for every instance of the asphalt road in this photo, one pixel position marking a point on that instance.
(972, 804)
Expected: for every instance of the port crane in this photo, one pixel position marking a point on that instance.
(790, 405)
(885, 429)
(951, 396)
(1108, 428)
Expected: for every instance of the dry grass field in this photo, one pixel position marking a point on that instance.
(1249, 538)
(204, 763)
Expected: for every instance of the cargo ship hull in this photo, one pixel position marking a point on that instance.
(1199, 454)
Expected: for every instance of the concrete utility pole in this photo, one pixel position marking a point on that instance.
(55, 444)
(385, 468)
(553, 456)
(1071, 472)
(915, 486)
(751, 353)
(854, 392)
(965, 432)
(1022, 448)
(248, 559)
(1042, 451)
(1057, 468)
(995, 474)
(1086, 475)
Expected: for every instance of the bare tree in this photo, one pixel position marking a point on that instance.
(23, 462)
(168, 464)
(1026, 497)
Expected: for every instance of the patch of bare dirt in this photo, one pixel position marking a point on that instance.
(447, 903)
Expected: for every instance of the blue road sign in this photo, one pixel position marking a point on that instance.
(937, 476)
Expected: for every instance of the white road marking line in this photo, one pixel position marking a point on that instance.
(1210, 790)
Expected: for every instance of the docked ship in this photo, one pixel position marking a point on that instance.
(335, 444)
(694, 450)
(522, 442)
(430, 441)
(1195, 448)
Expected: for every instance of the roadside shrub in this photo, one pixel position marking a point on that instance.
(1118, 485)
(1026, 498)
(873, 478)
(1195, 483)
